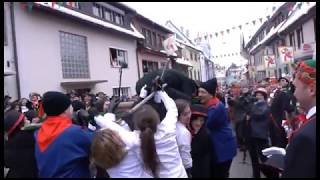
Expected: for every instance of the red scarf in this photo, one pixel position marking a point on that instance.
(291, 136)
(212, 102)
(51, 128)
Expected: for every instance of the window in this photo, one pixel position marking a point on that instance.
(148, 37)
(74, 56)
(118, 19)
(5, 29)
(159, 41)
(107, 15)
(149, 66)
(144, 33)
(299, 37)
(292, 40)
(154, 39)
(118, 57)
(124, 91)
(97, 10)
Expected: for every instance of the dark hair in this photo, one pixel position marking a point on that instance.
(14, 104)
(181, 105)
(99, 105)
(146, 120)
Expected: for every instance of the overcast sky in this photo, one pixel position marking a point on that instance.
(207, 17)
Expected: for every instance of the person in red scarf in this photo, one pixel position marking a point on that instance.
(61, 148)
(300, 154)
(223, 141)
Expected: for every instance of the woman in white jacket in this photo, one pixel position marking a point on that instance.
(183, 134)
(161, 160)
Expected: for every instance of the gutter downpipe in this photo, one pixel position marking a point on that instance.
(15, 47)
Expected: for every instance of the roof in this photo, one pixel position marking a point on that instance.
(186, 41)
(122, 5)
(297, 14)
(79, 15)
(275, 12)
(271, 34)
(164, 28)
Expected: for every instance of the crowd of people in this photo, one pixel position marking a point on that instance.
(186, 130)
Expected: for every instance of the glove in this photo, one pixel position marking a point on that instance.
(273, 150)
(157, 98)
(157, 84)
(103, 120)
(113, 105)
(143, 92)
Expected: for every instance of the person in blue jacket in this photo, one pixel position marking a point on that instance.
(218, 124)
(61, 148)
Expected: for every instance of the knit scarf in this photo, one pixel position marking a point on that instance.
(51, 128)
(212, 102)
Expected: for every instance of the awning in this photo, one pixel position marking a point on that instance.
(86, 82)
(183, 62)
(9, 73)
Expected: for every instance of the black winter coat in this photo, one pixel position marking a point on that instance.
(260, 120)
(201, 154)
(19, 155)
(300, 159)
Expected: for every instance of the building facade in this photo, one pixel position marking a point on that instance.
(150, 52)
(188, 55)
(10, 80)
(291, 27)
(63, 47)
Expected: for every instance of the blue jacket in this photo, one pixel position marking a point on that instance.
(67, 156)
(222, 138)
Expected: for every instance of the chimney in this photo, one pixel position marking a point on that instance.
(187, 33)
(181, 28)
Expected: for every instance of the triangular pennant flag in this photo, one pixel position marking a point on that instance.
(228, 31)
(273, 8)
(233, 27)
(268, 17)
(247, 23)
(240, 27)
(205, 37)
(216, 34)
(210, 36)
(221, 33)
(260, 20)
(254, 22)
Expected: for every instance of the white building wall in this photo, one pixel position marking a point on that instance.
(9, 82)
(39, 52)
(308, 31)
